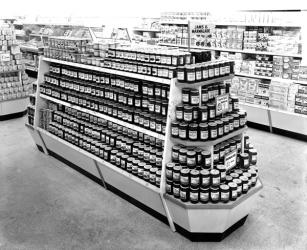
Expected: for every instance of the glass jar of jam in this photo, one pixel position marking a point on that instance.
(236, 121)
(183, 130)
(212, 130)
(195, 178)
(252, 156)
(175, 153)
(184, 193)
(194, 195)
(205, 178)
(210, 71)
(176, 173)
(203, 113)
(231, 121)
(215, 177)
(220, 128)
(222, 170)
(176, 190)
(194, 97)
(244, 160)
(232, 191)
(204, 196)
(235, 103)
(204, 95)
(206, 159)
(152, 175)
(205, 72)
(175, 129)
(179, 112)
(183, 156)
(191, 159)
(239, 186)
(225, 194)
(214, 194)
(169, 170)
(225, 121)
(187, 113)
(245, 186)
(185, 95)
(181, 74)
(198, 73)
(211, 111)
(190, 73)
(169, 186)
(193, 132)
(203, 132)
(184, 177)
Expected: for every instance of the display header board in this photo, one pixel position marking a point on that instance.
(230, 160)
(222, 104)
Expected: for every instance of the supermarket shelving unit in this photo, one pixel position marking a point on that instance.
(267, 118)
(200, 222)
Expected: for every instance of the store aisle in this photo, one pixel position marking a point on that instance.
(46, 205)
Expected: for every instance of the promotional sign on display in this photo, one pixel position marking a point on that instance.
(222, 104)
(230, 160)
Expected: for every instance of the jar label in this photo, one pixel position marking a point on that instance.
(198, 75)
(176, 191)
(216, 157)
(169, 173)
(193, 135)
(216, 181)
(222, 70)
(206, 181)
(168, 188)
(205, 74)
(185, 98)
(175, 155)
(241, 121)
(182, 158)
(230, 126)
(217, 71)
(215, 196)
(204, 116)
(212, 113)
(208, 161)
(245, 186)
(254, 158)
(176, 176)
(182, 133)
(211, 72)
(223, 175)
(226, 129)
(184, 180)
(175, 131)
(191, 76)
(224, 196)
(221, 131)
(204, 196)
(194, 196)
(227, 69)
(203, 135)
(195, 181)
(246, 162)
(152, 177)
(234, 194)
(204, 97)
(179, 115)
(180, 76)
(213, 133)
(239, 189)
(194, 100)
(183, 195)
(236, 123)
(188, 117)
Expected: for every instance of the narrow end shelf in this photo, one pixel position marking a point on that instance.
(209, 143)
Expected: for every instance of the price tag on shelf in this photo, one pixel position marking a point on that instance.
(5, 57)
(230, 160)
(222, 104)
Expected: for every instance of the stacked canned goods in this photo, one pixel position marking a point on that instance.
(125, 148)
(190, 178)
(196, 117)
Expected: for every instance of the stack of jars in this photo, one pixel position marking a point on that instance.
(196, 117)
(128, 149)
(190, 178)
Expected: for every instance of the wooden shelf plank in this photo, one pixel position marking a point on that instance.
(204, 83)
(106, 117)
(101, 161)
(111, 71)
(208, 143)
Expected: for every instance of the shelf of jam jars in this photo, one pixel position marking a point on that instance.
(99, 160)
(109, 118)
(204, 83)
(110, 71)
(211, 143)
(229, 205)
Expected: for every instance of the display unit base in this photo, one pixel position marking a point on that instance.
(12, 116)
(147, 198)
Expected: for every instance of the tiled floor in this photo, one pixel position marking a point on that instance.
(47, 205)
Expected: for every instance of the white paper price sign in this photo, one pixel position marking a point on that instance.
(222, 104)
(5, 57)
(230, 160)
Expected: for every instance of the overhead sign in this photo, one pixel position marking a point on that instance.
(222, 104)
(230, 160)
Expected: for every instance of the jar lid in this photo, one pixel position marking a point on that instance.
(179, 106)
(214, 189)
(170, 165)
(194, 172)
(185, 171)
(184, 188)
(153, 170)
(177, 168)
(203, 125)
(158, 173)
(186, 90)
(224, 187)
(193, 125)
(247, 175)
(175, 147)
(243, 178)
(214, 172)
(194, 189)
(183, 124)
(203, 108)
(238, 171)
(194, 91)
(253, 151)
(205, 172)
(211, 124)
(204, 189)
(237, 181)
(232, 185)
(221, 167)
(234, 175)
(174, 123)
(205, 153)
(244, 155)
(219, 122)
(228, 178)
(187, 108)
(191, 153)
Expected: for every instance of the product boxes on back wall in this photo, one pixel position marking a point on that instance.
(14, 82)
